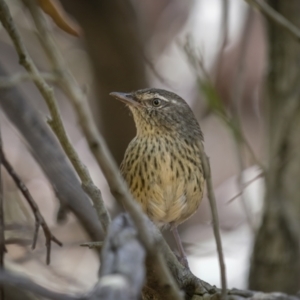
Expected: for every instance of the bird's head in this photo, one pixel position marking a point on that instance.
(157, 110)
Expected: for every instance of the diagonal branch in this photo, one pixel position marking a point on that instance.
(215, 218)
(56, 121)
(51, 157)
(39, 219)
(23, 283)
(76, 96)
(223, 35)
(244, 187)
(213, 99)
(237, 93)
(21, 77)
(2, 237)
(276, 17)
(102, 154)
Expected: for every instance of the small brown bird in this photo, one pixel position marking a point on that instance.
(162, 164)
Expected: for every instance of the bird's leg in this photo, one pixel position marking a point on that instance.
(182, 257)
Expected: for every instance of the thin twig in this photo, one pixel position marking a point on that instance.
(39, 219)
(223, 34)
(22, 77)
(51, 157)
(246, 184)
(214, 101)
(100, 150)
(215, 219)
(73, 91)
(2, 236)
(56, 121)
(224, 23)
(276, 17)
(23, 283)
(92, 245)
(237, 94)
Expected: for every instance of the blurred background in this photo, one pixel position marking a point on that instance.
(183, 46)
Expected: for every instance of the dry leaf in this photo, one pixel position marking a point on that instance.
(54, 9)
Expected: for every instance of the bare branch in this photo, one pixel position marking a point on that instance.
(92, 245)
(51, 157)
(215, 218)
(212, 97)
(224, 23)
(56, 121)
(237, 93)
(23, 283)
(244, 186)
(73, 91)
(122, 240)
(22, 77)
(39, 219)
(223, 34)
(121, 254)
(276, 17)
(95, 140)
(2, 236)
(101, 152)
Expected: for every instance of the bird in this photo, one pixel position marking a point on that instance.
(162, 164)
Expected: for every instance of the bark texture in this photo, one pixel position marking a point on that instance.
(276, 257)
(122, 253)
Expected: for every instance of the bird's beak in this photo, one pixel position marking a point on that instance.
(126, 98)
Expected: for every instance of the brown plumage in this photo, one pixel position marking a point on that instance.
(162, 165)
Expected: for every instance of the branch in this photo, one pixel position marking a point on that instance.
(21, 77)
(224, 23)
(244, 186)
(237, 94)
(76, 96)
(39, 219)
(92, 245)
(215, 218)
(95, 140)
(224, 35)
(121, 254)
(193, 287)
(56, 121)
(2, 236)
(184, 278)
(276, 17)
(23, 283)
(50, 156)
(212, 97)
(102, 154)
(69, 85)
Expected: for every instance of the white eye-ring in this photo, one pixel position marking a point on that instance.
(156, 102)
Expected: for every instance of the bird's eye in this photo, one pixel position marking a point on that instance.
(156, 102)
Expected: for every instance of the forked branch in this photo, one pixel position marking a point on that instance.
(55, 122)
(39, 219)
